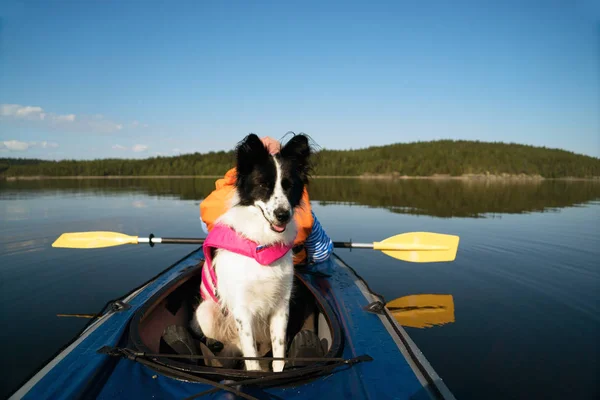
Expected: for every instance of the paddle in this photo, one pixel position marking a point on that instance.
(411, 247)
(423, 310)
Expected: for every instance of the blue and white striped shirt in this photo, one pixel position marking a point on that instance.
(318, 245)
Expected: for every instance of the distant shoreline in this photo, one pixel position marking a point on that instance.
(466, 160)
(469, 177)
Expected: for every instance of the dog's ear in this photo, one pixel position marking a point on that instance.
(250, 152)
(298, 150)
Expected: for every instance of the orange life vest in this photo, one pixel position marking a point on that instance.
(216, 203)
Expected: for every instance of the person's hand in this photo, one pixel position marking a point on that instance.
(271, 144)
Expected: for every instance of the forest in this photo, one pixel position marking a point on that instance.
(441, 157)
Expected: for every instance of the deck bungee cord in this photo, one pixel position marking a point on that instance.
(268, 379)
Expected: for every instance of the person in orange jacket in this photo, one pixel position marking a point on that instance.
(312, 245)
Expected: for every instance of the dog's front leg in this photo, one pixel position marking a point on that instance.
(244, 327)
(279, 322)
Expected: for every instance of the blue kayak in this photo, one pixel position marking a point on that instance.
(121, 354)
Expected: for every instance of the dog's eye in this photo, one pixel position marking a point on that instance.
(286, 184)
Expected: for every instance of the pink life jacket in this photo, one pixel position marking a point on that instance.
(224, 237)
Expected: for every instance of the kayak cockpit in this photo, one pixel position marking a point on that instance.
(160, 328)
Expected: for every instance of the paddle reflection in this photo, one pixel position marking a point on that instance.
(423, 310)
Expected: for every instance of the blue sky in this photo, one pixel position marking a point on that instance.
(92, 79)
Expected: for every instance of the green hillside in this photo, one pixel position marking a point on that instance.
(412, 159)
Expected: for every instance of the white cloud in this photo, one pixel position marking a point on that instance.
(15, 145)
(95, 123)
(32, 113)
(139, 148)
(65, 118)
(47, 145)
(176, 150)
(23, 112)
(17, 111)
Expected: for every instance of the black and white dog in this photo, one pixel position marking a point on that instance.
(253, 306)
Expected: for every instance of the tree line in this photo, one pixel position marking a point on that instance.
(447, 157)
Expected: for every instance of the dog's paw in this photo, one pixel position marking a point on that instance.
(278, 365)
(252, 365)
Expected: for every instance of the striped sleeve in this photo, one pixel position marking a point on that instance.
(204, 227)
(318, 245)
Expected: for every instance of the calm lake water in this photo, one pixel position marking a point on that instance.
(525, 282)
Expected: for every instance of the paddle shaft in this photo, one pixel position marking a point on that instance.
(343, 245)
(156, 240)
(350, 245)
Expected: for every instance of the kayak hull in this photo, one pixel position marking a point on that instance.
(397, 370)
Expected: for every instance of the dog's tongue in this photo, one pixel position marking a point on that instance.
(278, 228)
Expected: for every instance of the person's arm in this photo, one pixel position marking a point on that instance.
(318, 245)
(204, 227)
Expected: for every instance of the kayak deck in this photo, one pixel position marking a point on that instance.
(397, 368)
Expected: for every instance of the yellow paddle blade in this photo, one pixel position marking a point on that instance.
(93, 240)
(420, 247)
(423, 310)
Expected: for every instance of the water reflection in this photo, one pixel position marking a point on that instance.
(453, 198)
(23, 246)
(15, 212)
(423, 310)
(139, 204)
(440, 198)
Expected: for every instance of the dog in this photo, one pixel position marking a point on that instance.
(252, 305)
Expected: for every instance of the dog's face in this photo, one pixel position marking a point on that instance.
(273, 184)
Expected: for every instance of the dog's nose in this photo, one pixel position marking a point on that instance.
(282, 215)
